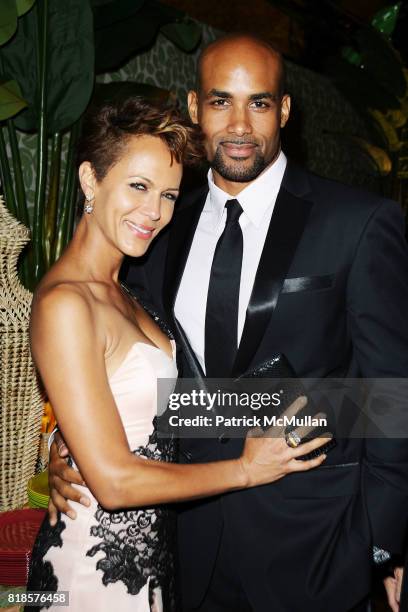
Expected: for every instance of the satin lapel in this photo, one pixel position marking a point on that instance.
(195, 367)
(181, 236)
(285, 230)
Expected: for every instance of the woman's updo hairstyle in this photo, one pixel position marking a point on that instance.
(107, 128)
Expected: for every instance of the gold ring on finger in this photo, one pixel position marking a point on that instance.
(293, 439)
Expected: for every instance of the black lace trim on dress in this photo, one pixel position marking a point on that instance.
(158, 318)
(138, 545)
(41, 575)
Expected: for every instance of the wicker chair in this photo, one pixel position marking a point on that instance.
(21, 400)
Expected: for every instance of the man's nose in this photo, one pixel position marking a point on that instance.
(239, 121)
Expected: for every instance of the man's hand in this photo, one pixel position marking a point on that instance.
(60, 477)
(393, 588)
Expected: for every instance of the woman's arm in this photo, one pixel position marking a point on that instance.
(69, 353)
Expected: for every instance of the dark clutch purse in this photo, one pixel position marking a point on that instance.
(278, 369)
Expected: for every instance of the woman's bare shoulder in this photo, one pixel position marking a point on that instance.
(62, 294)
(60, 305)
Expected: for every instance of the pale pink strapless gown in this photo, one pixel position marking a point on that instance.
(133, 548)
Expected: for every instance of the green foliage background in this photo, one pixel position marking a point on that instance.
(318, 107)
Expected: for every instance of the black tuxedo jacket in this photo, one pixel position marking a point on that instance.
(331, 293)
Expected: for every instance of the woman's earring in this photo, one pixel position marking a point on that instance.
(88, 208)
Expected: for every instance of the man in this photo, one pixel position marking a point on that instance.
(322, 278)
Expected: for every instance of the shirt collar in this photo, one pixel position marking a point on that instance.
(256, 199)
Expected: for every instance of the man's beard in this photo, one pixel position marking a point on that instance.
(238, 173)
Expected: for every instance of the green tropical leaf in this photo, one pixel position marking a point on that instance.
(380, 162)
(385, 19)
(120, 34)
(397, 118)
(387, 128)
(70, 64)
(8, 20)
(95, 3)
(381, 60)
(402, 169)
(23, 6)
(108, 12)
(184, 34)
(360, 87)
(351, 55)
(11, 100)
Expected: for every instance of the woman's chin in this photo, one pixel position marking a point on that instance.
(136, 250)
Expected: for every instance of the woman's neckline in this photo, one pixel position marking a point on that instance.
(138, 343)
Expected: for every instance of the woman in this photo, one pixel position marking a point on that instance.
(100, 353)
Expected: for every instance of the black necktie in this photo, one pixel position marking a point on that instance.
(221, 317)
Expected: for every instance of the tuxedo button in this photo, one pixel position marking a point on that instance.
(223, 439)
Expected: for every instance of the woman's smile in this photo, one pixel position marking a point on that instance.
(139, 230)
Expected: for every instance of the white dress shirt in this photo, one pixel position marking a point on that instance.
(257, 201)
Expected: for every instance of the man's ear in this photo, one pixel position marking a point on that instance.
(192, 103)
(285, 110)
(87, 179)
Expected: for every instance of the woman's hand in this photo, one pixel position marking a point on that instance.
(267, 457)
(393, 588)
(60, 478)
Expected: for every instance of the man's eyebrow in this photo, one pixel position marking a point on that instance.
(218, 93)
(262, 95)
